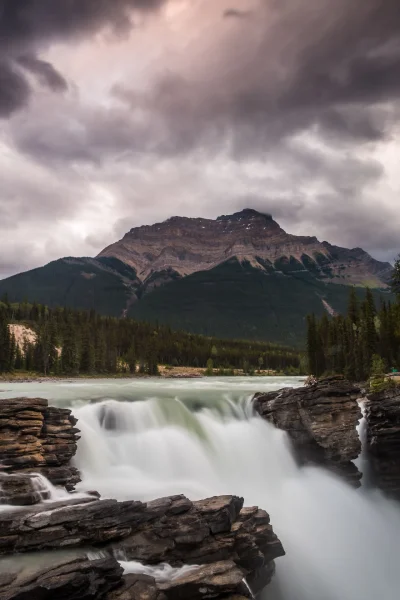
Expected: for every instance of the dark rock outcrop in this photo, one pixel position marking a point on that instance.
(37, 438)
(382, 411)
(321, 421)
(81, 579)
(173, 530)
(22, 490)
(210, 581)
(86, 579)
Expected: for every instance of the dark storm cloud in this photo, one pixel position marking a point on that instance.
(27, 26)
(331, 64)
(45, 72)
(14, 89)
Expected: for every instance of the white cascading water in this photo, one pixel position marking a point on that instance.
(341, 544)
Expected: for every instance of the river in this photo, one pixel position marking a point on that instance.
(147, 438)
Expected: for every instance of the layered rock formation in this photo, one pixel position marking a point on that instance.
(382, 411)
(173, 530)
(37, 438)
(321, 421)
(222, 540)
(182, 246)
(80, 579)
(84, 579)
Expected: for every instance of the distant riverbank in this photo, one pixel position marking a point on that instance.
(165, 372)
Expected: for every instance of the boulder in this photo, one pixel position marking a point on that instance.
(22, 490)
(210, 581)
(321, 421)
(37, 438)
(382, 412)
(75, 579)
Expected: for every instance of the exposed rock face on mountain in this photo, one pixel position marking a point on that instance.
(382, 411)
(321, 421)
(183, 246)
(37, 438)
(239, 276)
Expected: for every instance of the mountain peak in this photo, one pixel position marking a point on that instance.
(246, 213)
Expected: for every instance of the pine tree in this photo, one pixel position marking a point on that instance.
(353, 311)
(88, 354)
(395, 283)
(70, 353)
(131, 359)
(5, 345)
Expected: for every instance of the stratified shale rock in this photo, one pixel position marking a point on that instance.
(321, 421)
(173, 530)
(37, 438)
(210, 581)
(382, 411)
(72, 579)
(22, 490)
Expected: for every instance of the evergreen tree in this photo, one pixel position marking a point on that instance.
(88, 354)
(395, 283)
(5, 345)
(70, 360)
(353, 311)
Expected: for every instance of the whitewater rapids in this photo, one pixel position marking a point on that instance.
(149, 439)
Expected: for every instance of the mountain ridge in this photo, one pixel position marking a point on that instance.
(238, 276)
(189, 245)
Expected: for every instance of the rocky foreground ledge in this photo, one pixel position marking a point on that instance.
(321, 421)
(225, 542)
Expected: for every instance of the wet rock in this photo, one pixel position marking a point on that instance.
(69, 580)
(382, 411)
(321, 421)
(173, 530)
(37, 438)
(211, 581)
(21, 490)
(136, 587)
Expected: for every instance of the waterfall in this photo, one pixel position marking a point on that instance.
(341, 543)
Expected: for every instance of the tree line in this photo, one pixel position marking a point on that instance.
(360, 343)
(73, 342)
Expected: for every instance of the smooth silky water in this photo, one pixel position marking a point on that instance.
(143, 439)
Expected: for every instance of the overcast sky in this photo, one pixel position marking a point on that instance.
(118, 113)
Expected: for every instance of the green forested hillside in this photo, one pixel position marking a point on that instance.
(233, 300)
(71, 342)
(105, 285)
(238, 301)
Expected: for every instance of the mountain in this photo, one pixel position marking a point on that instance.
(182, 246)
(240, 276)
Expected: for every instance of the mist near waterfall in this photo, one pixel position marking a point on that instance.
(151, 438)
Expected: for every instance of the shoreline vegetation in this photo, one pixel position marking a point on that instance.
(62, 342)
(164, 372)
(363, 344)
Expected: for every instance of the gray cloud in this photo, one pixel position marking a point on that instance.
(282, 112)
(45, 72)
(26, 26)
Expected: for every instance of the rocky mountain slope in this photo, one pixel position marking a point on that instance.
(239, 276)
(184, 246)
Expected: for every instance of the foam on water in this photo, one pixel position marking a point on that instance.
(341, 544)
(199, 437)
